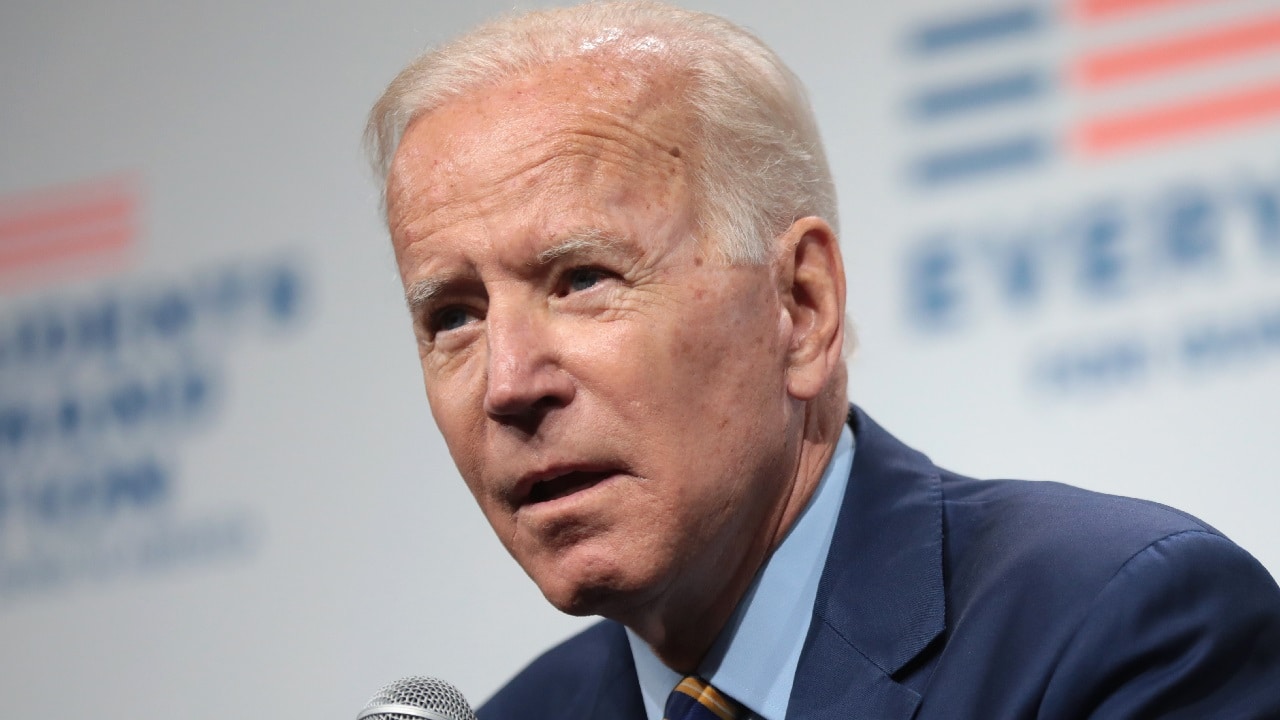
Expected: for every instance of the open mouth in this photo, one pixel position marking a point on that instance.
(566, 484)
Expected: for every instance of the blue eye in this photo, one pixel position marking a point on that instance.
(580, 279)
(450, 318)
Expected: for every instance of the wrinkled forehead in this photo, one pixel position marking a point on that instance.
(577, 110)
(571, 140)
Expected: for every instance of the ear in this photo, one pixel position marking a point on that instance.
(811, 278)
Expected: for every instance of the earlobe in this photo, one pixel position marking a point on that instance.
(813, 287)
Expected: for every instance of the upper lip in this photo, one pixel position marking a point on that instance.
(523, 491)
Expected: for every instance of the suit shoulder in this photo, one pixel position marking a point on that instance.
(1061, 520)
(1082, 604)
(568, 675)
(1202, 617)
(1054, 542)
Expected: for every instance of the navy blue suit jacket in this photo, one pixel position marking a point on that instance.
(947, 598)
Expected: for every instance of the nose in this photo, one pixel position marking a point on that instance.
(525, 378)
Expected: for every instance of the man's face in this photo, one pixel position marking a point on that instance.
(612, 393)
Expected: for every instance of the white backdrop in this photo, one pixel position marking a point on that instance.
(221, 494)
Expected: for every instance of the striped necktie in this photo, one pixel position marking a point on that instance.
(695, 699)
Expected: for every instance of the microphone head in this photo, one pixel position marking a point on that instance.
(414, 698)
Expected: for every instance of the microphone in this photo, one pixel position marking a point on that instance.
(417, 697)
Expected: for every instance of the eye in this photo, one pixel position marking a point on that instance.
(584, 278)
(449, 318)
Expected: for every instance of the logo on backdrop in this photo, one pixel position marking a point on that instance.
(100, 389)
(55, 232)
(1171, 276)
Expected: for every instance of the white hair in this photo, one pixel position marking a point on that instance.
(758, 164)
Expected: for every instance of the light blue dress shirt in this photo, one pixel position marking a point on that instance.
(754, 659)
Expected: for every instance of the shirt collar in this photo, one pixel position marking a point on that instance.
(755, 657)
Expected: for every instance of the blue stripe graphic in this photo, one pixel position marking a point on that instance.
(988, 26)
(1015, 153)
(1010, 88)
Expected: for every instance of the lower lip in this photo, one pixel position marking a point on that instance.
(579, 494)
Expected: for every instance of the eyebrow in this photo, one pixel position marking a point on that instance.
(579, 242)
(422, 292)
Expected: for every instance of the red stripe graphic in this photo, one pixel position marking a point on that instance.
(22, 226)
(1108, 9)
(1118, 132)
(73, 244)
(55, 226)
(1173, 54)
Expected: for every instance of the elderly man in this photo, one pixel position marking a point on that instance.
(617, 235)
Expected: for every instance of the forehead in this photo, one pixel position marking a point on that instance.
(572, 126)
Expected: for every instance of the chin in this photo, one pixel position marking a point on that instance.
(606, 592)
(583, 603)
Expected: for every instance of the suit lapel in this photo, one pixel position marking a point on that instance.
(880, 600)
(617, 695)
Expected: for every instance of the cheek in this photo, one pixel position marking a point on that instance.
(455, 386)
(731, 349)
(460, 417)
(728, 368)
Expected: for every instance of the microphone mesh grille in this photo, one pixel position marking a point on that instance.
(427, 693)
